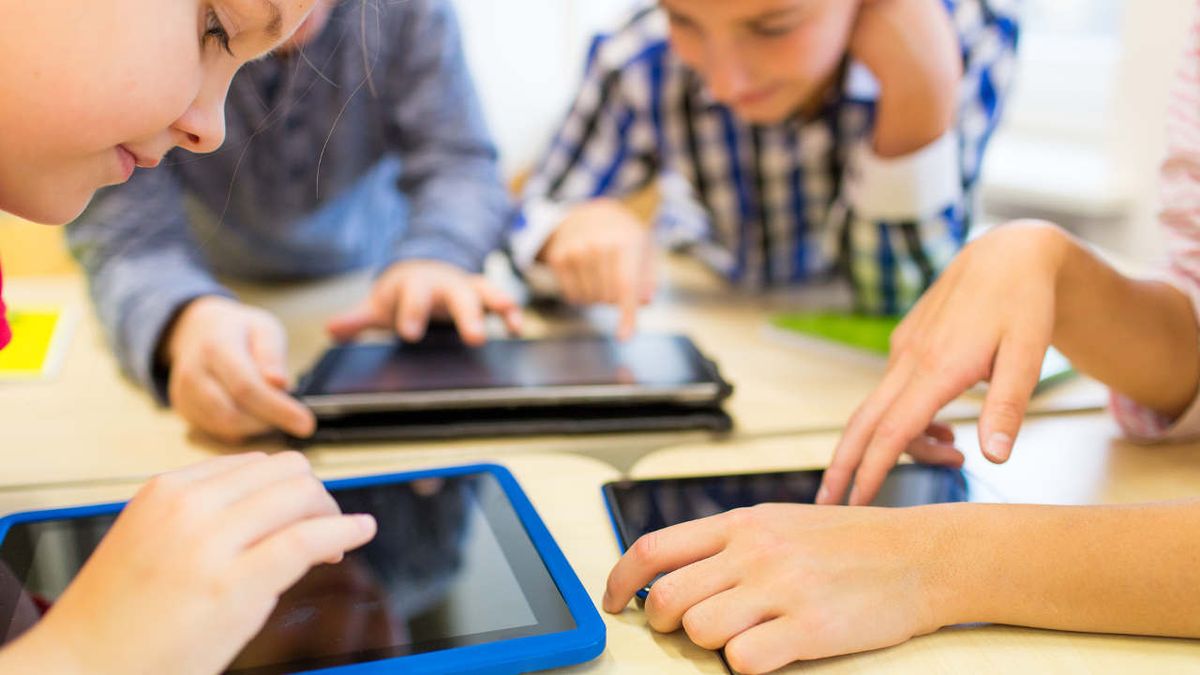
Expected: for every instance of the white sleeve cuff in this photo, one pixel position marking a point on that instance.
(912, 187)
(539, 219)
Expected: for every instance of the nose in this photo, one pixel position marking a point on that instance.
(727, 77)
(202, 125)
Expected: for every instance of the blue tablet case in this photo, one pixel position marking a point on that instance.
(520, 655)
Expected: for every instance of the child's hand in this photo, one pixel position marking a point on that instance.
(410, 292)
(194, 565)
(913, 50)
(602, 253)
(782, 582)
(991, 316)
(228, 371)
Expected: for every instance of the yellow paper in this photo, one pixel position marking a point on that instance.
(31, 350)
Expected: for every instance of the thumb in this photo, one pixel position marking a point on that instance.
(1014, 376)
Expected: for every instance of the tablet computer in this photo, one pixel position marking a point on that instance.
(637, 507)
(445, 374)
(462, 577)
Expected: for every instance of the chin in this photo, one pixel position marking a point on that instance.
(764, 113)
(54, 209)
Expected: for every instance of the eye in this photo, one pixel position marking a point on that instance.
(773, 31)
(680, 22)
(214, 31)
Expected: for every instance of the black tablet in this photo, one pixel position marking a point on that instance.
(462, 577)
(641, 506)
(445, 374)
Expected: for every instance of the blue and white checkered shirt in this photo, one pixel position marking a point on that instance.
(781, 203)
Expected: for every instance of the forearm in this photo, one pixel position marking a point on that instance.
(913, 53)
(911, 117)
(1139, 337)
(1103, 569)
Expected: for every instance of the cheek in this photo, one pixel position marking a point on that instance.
(688, 48)
(144, 96)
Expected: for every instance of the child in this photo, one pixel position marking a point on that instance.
(779, 583)
(197, 560)
(791, 139)
(360, 146)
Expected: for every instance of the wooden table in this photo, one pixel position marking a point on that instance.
(89, 424)
(89, 436)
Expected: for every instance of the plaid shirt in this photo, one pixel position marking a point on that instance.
(780, 203)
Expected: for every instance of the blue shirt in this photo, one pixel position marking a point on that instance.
(366, 148)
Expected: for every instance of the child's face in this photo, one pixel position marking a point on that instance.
(88, 88)
(765, 59)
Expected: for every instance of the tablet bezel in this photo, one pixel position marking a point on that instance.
(517, 655)
(705, 393)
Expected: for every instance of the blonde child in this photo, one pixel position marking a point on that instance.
(192, 567)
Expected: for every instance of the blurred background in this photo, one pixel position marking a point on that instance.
(1080, 144)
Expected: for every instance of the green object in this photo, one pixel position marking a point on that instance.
(869, 333)
(872, 334)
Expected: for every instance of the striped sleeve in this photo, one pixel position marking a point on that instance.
(906, 218)
(1179, 185)
(606, 146)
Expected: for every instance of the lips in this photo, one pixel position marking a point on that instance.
(128, 162)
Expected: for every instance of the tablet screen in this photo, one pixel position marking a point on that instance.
(647, 360)
(451, 566)
(640, 507)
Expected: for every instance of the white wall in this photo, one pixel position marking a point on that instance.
(527, 57)
(1155, 34)
(1084, 135)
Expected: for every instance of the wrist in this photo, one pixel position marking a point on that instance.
(176, 328)
(1070, 273)
(950, 563)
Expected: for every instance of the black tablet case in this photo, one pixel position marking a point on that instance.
(522, 420)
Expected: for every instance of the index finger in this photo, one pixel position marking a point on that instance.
(628, 294)
(662, 551)
(906, 419)
(858, 432)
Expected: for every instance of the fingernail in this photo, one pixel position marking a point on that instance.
(854, 496)
(822, 494)
(999, 447)
(365, 522)
(412, 330)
